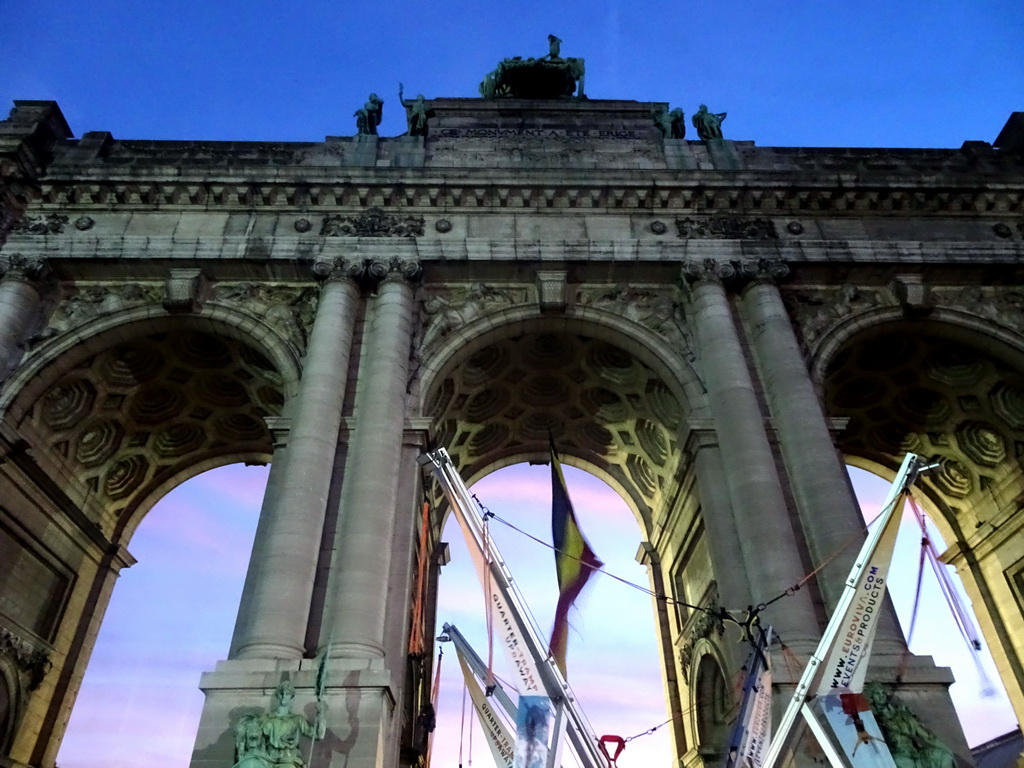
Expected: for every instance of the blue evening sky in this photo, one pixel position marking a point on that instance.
(794, 73)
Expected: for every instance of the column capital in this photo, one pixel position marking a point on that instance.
(697, 272)
(327, 270)
(395, 270)
(763, 270)
(737, 273)
(27, 269)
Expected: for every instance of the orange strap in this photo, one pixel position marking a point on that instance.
(416, 644)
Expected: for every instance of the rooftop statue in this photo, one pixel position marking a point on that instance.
(416, 113)
(548, 77)
(368, 116)
(708, 124)
(672, 125)
(271, 739)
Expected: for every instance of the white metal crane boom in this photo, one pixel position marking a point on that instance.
(534, 665)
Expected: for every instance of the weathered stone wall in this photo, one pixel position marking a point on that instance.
(693, 321)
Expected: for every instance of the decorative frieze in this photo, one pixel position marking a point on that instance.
(817, 310)
(726, 227)
(44, 224)
(448, 309)
(289, 309)
(86, 303)
(699, 204)
(657, 310)
(372, 223)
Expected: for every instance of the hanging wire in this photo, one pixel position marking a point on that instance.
(961, 613)
(488, 610)
(462, 722)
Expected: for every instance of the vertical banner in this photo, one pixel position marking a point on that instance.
(753, 731)
(533, 729)
(505, 621)
(847, 662)
(758, 727)
(499, 737)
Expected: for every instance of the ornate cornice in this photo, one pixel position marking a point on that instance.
(740, 200)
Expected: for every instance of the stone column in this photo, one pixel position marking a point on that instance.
(768, 545)
(734, 587)
(20, 295)
(829, 515)
(275, 600)
(362, 555)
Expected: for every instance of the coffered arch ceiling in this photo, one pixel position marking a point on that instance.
(128, 422)
(607, 410)
(945, 394)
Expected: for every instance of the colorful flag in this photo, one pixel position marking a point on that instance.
(574, 559)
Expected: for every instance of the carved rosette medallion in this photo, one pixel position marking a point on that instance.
(722, 227)
(372, 223)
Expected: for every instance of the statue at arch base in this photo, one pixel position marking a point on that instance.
(271, 739)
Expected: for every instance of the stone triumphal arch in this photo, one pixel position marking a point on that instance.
(711, 326)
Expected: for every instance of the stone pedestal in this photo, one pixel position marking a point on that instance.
(361, 727)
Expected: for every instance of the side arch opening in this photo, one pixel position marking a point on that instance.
(170, 617)
(956, 397)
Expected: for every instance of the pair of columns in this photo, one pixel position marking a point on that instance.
(276, 599)
(746, 511)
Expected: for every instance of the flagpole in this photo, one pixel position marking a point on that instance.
(319, 686)
(537, 671)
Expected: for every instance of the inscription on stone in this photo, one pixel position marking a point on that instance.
(563, 134)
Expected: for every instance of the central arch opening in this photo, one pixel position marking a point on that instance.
(613, 662)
